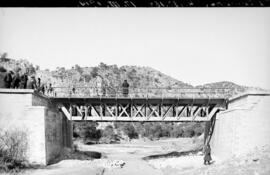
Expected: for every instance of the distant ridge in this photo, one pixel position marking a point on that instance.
(113, 76)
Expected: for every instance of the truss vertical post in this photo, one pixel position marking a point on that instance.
(86, 111)
(131, 109)
(116, 109)
(100, 109)
(70, 111)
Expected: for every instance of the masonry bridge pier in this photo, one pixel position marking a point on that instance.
(47, 119)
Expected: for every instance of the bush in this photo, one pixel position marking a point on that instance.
(13, 147)
(108, 135)
(87, 131)
(2, 69)
(177, 131)
(198, 130)
(94, 72)
(189, 132)
(130, 131)
(91, 132)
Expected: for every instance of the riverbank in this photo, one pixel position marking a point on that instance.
(130, 154)
(130, 159)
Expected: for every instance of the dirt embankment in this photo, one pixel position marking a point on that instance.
(255, 163)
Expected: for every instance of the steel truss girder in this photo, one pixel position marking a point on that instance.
(131, 111)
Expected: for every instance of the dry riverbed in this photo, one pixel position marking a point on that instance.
(141, 157)
(125, 158)
(144, 157)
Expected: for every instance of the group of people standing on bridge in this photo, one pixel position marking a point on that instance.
(21, 80)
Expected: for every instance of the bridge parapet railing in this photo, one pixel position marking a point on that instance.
(117, 92)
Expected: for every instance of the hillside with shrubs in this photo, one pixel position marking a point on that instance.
(111, 77)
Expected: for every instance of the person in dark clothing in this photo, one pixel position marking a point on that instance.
(8, 79)
(31, 84)
(73, 90)
(125, 87)
(40, 87)
(24, 79)
(207, 155)
(39, 84)
(16, 80)
(50, 90)
(43, 89)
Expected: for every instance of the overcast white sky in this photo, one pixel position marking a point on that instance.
(194, 45)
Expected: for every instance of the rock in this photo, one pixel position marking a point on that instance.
(93, 154)
(114, 164)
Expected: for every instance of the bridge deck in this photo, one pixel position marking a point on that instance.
(142, 100)
(139, 108)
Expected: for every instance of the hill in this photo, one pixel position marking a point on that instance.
(112, 76)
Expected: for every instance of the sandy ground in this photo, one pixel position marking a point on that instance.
(130, 152)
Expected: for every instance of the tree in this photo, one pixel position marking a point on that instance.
(91, 132)
(130, 131)
(177, 131)
(31, 69)
(156, 131)
(37, 67)
(108, 135)
(103, 65)
(4, 56)
(2, 69)
(87, 77)
(188, 132)
(78, 69)
(87, 131)
(94, 72)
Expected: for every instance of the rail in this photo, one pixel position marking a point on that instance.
(132, 92)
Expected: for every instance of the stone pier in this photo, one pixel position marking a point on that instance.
(48, 130)
(244, 126)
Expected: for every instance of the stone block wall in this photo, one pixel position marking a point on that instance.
(243, 127)
(48, 131)
(58, 133)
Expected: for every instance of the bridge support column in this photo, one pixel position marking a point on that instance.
(46, 130)
(243, 127)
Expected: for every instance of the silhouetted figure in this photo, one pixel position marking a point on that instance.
(31, 84)
(50, 89)
(8, 79)
(39, 84)
(43, 89)
(83, 112)
(40, 87)
(24, 79)
(16, 80)
(207, 155)
(73, 90)
(125, 87)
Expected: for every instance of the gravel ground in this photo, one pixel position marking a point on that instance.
(126, 159)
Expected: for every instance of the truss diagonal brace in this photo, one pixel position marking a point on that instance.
(65, 111)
